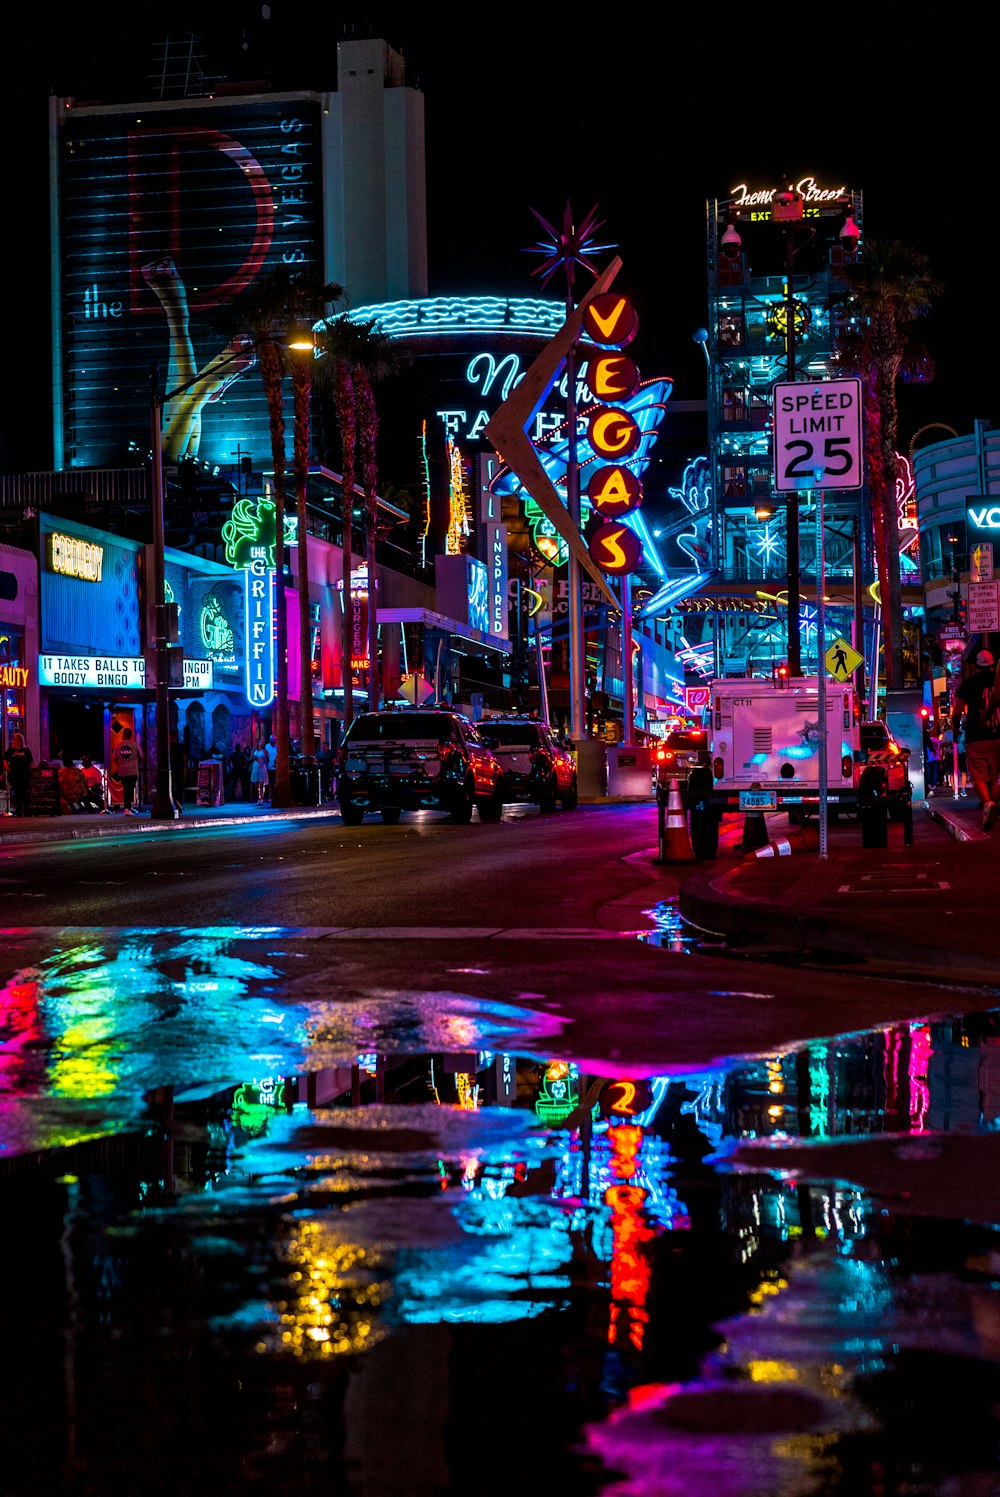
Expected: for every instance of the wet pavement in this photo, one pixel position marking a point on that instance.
(360, 1278)
(631, 1210)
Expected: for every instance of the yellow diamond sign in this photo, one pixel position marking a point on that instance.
(842, 660)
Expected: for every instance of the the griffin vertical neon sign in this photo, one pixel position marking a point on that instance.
(258, 597)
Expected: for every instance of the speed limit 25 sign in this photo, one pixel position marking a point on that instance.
(817, 430)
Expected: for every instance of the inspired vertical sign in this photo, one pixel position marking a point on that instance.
(258, 597)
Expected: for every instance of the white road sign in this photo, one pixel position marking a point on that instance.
(817, 427)
(984, 607)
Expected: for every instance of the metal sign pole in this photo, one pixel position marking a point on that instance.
(821, 663)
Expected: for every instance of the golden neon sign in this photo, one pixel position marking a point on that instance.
(613, 433)
(71, 556)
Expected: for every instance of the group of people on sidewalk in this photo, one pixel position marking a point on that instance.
(77, 787)
(249, 774)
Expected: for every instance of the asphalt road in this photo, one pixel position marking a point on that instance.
(527, 871)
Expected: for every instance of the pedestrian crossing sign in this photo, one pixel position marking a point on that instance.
(842, 660)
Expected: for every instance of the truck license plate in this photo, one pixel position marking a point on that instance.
(758, 800)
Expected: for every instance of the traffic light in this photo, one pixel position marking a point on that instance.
(779, 673)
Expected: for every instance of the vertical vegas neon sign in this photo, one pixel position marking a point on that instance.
(258, 598)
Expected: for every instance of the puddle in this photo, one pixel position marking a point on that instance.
(449, 1265)
(673, 932)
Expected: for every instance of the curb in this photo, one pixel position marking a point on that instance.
(953, 826)
(117, 827)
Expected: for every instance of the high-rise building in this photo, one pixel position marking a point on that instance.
(776, 307)
(164, 210)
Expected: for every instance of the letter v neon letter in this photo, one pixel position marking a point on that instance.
(608, 324)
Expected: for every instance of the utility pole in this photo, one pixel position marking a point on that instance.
(792, 503)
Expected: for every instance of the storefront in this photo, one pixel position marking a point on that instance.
(91, 670)
(95, 628)
(18, 647)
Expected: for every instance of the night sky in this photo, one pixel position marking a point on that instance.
(528, 106)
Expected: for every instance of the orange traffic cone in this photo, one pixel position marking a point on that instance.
(675, 843)
(754, 827)
(801, 839)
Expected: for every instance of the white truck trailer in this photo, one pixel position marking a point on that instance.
(764, 755)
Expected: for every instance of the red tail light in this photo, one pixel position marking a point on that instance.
(847, 766)
(718, 769)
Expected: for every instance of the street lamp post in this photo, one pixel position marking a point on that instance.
(163, 808)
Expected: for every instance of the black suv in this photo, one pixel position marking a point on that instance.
(535, 766)
(415, 760)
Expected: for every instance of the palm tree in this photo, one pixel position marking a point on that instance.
(889, 288)
(344, 342)
(262, 311)
(266, 311)
(312, 301)
(379, 356)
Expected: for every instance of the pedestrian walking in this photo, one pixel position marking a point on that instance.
(962, 760)
(977, 710)
(240, 771)
(17, 762)
(125, 761)
(258, 772)
(932, 762)
(178, 773)
(271, 749)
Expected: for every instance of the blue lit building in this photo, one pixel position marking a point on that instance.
(773, 260)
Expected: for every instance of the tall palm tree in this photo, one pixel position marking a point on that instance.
(378, 357)
(344, 342)
(266, 311)
(262, 312)
(889, 289)
(313, 301)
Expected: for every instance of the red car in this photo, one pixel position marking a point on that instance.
(536, 767)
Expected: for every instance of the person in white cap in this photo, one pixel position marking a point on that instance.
(978, 700)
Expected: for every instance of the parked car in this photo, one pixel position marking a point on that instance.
(413, 760)
(536, 767)
(681, 750)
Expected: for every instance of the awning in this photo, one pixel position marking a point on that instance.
(432, 620)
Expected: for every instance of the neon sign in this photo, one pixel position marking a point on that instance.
(14, 675)
(251, 532)
(216, 630)
(614, 490)
(71, 556)
(747, 197)
(258, 599)
(613, 433)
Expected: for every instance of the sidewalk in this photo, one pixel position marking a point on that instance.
(929, 910)
(15, 830)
